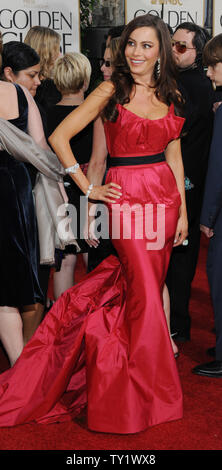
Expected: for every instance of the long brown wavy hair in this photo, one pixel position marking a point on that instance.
(165, 83)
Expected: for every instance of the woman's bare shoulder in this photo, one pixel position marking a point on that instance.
(105, 89)
(98, 98)
(6, 87)
(8, 101)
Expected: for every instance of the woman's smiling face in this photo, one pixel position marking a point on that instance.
(142, 51)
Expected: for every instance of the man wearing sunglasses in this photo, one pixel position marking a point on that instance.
(188, 42)
(184, 51)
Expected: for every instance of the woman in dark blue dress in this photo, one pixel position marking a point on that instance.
(20, 290)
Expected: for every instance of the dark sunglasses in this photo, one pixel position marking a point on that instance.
(107, 63)
(181, 46)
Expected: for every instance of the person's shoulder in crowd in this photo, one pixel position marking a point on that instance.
(47, 93)
(55, 114)
(197, 84)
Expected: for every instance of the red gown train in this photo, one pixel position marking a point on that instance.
(105, 345)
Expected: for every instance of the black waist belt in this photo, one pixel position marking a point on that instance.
(144, 160)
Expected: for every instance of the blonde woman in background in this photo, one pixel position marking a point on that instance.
(71, 76)
(46, 43)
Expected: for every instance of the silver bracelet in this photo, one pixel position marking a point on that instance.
(72, 169)
(89, 190)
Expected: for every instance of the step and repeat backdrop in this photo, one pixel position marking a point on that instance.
(173, 12)
(18, 16)
(217, 17)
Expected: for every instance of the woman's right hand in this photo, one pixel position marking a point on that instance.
(89, 233)
(110, 192)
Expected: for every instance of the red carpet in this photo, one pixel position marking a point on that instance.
(200, 429)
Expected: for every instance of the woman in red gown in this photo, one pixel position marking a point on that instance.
(105, 344)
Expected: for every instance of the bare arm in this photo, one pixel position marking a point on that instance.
(74, 123)
(174, 160)
(96, 172)
(97, 163)
(35, 127)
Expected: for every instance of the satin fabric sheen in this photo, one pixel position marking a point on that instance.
(104, 344)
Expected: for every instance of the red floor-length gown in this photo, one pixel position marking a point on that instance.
(105, 343)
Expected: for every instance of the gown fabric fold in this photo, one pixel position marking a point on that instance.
(105, 345)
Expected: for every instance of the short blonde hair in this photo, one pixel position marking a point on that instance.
(46, 43)
(72, 72)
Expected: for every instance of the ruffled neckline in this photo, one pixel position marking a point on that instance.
(170, 109)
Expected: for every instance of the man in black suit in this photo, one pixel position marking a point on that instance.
(188, 43)
(211, 225)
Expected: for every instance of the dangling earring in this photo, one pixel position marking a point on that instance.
(158, 68)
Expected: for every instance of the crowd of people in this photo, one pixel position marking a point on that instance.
(143, 145)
